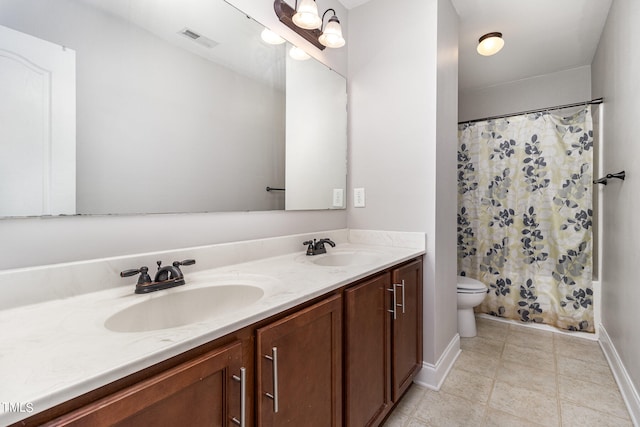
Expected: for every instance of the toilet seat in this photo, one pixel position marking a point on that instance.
(475, 291)
(467, 285)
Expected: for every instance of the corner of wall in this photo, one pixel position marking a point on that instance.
(432, 376)
(625, 383)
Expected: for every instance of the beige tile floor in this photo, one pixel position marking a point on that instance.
(511, 375)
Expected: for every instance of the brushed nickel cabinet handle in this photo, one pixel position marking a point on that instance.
(274, 396)
(395, 302)
(243, 393)
(401, 305)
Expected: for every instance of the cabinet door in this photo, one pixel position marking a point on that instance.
(407, 326)
(299, 368)
(196, 393)
(367, 352)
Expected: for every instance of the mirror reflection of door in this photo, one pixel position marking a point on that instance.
(37, 126)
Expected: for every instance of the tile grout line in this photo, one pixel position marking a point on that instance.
(494, 381)
(516, 329)
(557, 379)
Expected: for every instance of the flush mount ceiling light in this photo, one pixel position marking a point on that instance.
(304, 20)
(490, 44)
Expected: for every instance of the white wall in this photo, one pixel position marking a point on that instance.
(549, 90)
(403, 141)
(38, 241)
(615, 70)
(442, 321)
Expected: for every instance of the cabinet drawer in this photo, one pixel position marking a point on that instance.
(199, 392)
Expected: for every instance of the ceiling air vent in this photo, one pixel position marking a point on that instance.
(198, 38)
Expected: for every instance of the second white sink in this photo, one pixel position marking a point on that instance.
(181, 307)
(345, 258)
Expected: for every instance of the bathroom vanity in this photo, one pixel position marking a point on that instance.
(335, 340)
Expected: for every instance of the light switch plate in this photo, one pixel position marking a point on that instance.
(358, 198)
(338, 197)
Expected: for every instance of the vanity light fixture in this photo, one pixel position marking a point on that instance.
(490, 44)
(306, 15)
(332, 33)
(270, 37)
(305, 21)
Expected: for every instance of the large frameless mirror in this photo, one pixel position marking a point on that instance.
(139, 106)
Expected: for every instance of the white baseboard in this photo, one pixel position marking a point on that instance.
(628, 390)
(432, 376)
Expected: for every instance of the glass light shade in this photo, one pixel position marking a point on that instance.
(270, 37)
(298, 54)
(490, 44)
(332, 34)
(307, 15)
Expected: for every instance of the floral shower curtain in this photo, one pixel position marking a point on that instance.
(525, 216)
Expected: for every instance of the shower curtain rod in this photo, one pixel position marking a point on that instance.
(559, 107)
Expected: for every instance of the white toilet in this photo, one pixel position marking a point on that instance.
(471, 292)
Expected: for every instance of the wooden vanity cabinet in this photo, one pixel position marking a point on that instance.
(407, 328)
(203, 391)
(367, 355)
(344, 359)
(299, 368)
(383, 348)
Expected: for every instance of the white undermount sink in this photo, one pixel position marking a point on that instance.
(345, 258)
(179, 307)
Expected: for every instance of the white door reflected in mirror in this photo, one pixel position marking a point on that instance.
(37, 126)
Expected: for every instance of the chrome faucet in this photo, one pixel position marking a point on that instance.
(317, 247)
(166, 277)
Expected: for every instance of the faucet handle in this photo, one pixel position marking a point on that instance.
(177, 264)
(310, 247)
(185, 262)
(144, 275)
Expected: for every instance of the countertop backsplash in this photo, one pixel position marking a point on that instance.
(32, 285)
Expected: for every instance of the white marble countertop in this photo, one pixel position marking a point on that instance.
(56, 350)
